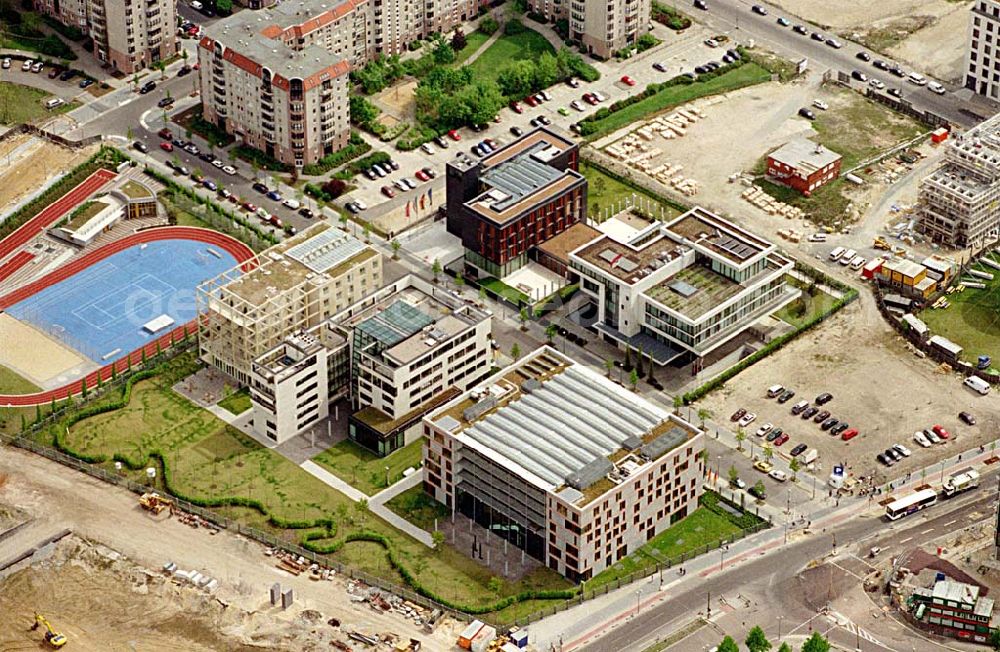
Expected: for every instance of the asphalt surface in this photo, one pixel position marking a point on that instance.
(735, 18)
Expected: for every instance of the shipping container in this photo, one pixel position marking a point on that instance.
(871, 267)
(465, 639)
(483, 639)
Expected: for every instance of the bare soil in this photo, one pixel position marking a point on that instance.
(32, 163)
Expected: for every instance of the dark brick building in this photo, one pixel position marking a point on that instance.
(507, 203)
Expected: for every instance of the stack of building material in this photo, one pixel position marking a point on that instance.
(978, 274)
(756, 196)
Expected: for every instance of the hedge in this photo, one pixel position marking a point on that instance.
(415, 137)
(355, 147)
(260, 159)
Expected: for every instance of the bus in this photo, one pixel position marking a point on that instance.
(912, 503)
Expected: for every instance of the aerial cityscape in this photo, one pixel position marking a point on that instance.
(501, 326)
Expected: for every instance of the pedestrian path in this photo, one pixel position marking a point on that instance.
(329, 479)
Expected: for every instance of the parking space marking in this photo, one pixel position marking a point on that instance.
(930, 529)
(951, 522)
(906, 539)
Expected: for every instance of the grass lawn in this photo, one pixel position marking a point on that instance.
(418, 508)
(473, 42)
(208, 460)
(498, 287)
(26, 104)
(806, 307)
(528, 45)
(13, 383)
(702, 527)
(973, 319)
(192, 120)
(604, 192)
(746, 75)
(237, 402)
(365, 470)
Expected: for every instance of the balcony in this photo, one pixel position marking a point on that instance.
(219, 90)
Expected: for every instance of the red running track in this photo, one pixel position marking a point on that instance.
(19, 260)
(237, 249)
(54, 211)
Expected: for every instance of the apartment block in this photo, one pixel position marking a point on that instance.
(982, 62)
(678, 290)
(602, 27)
(128, 35)
(959, 203)
(400, 351)
(803, 165)
(293, 286)
(574, 469)
(507, 203)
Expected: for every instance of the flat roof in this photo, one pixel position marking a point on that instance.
(569, 240)
(701, 227)
(554, 422)
(907, 268)
(497, 206)
(382, 423)
(955, 591)
(552, 138)
(624, 260)
(805, 155)
(136, 190)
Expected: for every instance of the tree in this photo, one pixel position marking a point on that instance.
(728, 645)
(224, 7)
(628, 358)
(162, 67)
(678, 404)
(816, 643)
(436, 269)
(638, 363)
(488, 25)
(649, 377)
(609, 364)
(759, 488)
(768, 452)
(361, 507)
(135, 83)
(734, 475)
(515, 352)
(482, 293)
(443, 54)
(550, 332)
(794, 467)
(396, 246)
(366, 229)
(437, 536)
(756, 641)
(704, 413)
(458, 40)
(517, 79)
(363, 112)
(523, 316)
(741, 437)
(546, 71)
(633, 378)
(785, 648)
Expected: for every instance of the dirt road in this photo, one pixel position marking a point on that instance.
(58, 497)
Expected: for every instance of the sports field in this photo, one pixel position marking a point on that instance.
(101, 311)
(973, 319)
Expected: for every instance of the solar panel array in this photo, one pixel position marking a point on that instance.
(731, 245)
(325, 250)
(398, 321)
(560, 428)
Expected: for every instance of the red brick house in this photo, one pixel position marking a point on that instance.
(803, 165)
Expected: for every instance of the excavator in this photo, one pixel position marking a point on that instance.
(52, 637)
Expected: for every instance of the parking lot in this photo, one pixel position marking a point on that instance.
(879, 387)
(66, 90)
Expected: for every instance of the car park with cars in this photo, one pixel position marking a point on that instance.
(747, 419)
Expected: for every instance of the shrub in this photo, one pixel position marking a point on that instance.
(260, 159)
(334, 188)
(645, 42)
(224, 7)
(488, 25)
(356, 147)
(415, 137)
(514, 26)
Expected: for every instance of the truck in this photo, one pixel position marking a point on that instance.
(962, 481)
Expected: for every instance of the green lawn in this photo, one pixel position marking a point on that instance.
(528, 45)
(746, 75)
(207, 460)
(365, 470)
(702, 527)
(25, 104)
(237, 402)
(498, 287)
(973, 319)
(13, 383)
(806, 307)
(473, 42)
(604, 191)
(418, 508)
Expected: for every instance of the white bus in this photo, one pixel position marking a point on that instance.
(912, 503)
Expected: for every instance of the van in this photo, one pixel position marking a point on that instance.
(917, 78)
(847, 257)
(836, 253)
(53, 103)
(774, 390)
(978, 384)
(857, 262)
(810, 456)
(817, 237)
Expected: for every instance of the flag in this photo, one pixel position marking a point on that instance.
(430, 195)
(407, 209)
(422, 202)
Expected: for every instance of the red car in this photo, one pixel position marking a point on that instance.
(420, 174)
(454, 135)
(516, 108)
(941, 432)
(590, 98)
(849, 434)
(247, 206)
(531, 101)
(780, 439)
(167, 147)
(738, 414)
(388, 192)
(165, 134)
(628, 80)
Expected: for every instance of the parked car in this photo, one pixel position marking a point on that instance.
(849, 434)
(778, 475)
(935, 87)
(877, 84)
(921, 439)
(388, 191)
(800, 29)
(140, 146)
(6, 63)
(774, 434)
(274, 195)
(628, 81)
(799, 407)
(798, 450)
(881, 65)
(249, 207)
(148, 87)
(941, 432)
(821, 105)
(829, 423)
(763, 466)
(454, 135)
(737, 483)
(441, 142)
(760, 493)
(737, 415)
(165, 102)
(786, 396)
(781, 439)
(590, 98)
(834, 43)
(291, 203)
(516, 108)
(308, 213)
(26, 66)
(895, 92)
(427, 149)
(821, 416)
(211, 185)
(824, 398)
(885, 459)
(784, 22)
(860, 76)
(839, 428)
(807, 114)
(429, 172)
(517, 131)
(902, 450)
(757, 9)
(701, 4)
(763, 430)
(67, 75)
(573, 82)
(260, 187)
(167, 146)
(229, 169)
(810, 412)
(421, 175)
(967, 418)
(816, 36)
(84, 83)
(747, 419)
(864, 56)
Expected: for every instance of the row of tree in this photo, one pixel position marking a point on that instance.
(756, 641)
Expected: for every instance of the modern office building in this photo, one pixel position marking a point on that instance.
(982, 62)
(397, 353)
(602, 28)
(506, 203)
(128, 35)
(680, 289)
(803, 165)
(574, 469)
(959, 203)
(293, 286)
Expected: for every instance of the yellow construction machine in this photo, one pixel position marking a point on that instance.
(155, 503)
(52, 637)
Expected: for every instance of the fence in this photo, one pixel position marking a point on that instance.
(25, 128)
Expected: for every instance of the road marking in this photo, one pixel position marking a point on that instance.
(930, 529)
(950, 522)
(906, 539)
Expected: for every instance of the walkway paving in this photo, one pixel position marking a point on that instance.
(387, 494)
(331, 480)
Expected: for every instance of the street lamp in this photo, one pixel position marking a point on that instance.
(779, 629)
(638, 594)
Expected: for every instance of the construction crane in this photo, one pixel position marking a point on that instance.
(52, 637)
(155, 503)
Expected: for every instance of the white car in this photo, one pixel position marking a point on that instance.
(292, 203)
(711, 42)
(820, 104)
(780, 476)
(217, 163)
(360, 204)
(263, 214)
(921, 439)
(410, 183)
(427, 149)
(26, 66)
(764, 429)
(6, 62)
(545, 96)
(576, 104)
(747, 419)
(876, 83)
(932, 436)
(902, 450)
(936, 88)
(229, 169)
(599, 96)
(196, 5)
